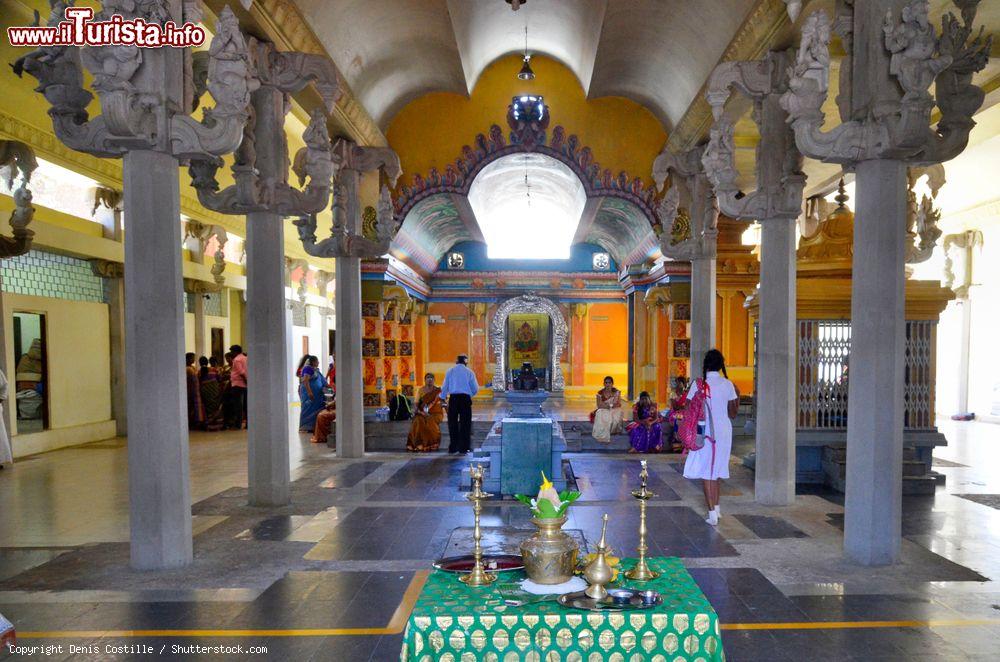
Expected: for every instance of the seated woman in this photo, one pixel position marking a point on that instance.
(324, 422)
(425, 431)
(644, 431)
(607, 418)
(311, 383)
(678, 402)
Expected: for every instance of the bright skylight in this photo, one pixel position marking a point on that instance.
(518, 225)
(57, 188)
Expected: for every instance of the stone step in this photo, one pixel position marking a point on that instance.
(838, 453)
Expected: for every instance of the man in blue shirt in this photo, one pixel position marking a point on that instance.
(459, 386)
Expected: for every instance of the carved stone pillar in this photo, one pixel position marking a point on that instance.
(893, 58)
(144, 97)
(262, 192)
(776, 203)
(113, 273)
(323, 280)
(348, 244)
(690, 214)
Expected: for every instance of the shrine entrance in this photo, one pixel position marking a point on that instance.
(528, 329)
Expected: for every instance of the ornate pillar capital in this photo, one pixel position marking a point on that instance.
(688, 210)
(346, 236)
(780, 180)
(885, 102)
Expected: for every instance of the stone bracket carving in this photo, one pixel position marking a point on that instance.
(253, 192)
(291, 264)
(966, 241)
(346, 238)
(134, 86)
(18, 160)
(922, 231)
(203, 233)
(780, 180)
(528, 303)
(688, 210)
(107, 268)
(894, 129)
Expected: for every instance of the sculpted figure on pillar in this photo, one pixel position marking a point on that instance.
(142, 91)
(346, 237)
(203, 234)
(262, 183)
(18, 159)
(291, 264)
(688, 211)
(922, 231)
(885, 121)
(780, 180)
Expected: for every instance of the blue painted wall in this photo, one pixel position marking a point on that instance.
(580, 259)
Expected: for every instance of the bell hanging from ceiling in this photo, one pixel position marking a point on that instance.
(526, 73)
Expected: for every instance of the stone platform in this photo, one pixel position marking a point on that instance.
(390, 436)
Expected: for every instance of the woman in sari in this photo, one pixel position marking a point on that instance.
(425, 431)
(196, 414)
(311, 383)
(324, 423)
(645, 434)
(211, 393)
(607, 418)
(678, 402)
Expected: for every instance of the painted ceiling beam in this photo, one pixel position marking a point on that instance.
(281, 22)
(468, 217)
(587, 218)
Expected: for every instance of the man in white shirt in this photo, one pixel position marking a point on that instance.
(459, 386)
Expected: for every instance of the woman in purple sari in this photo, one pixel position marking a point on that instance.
(644, 431)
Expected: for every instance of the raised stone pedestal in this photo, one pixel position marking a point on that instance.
(523, 444)
(526, 404)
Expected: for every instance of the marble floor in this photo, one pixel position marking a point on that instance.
(332, 575)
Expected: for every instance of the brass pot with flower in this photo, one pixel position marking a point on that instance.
(550, 555)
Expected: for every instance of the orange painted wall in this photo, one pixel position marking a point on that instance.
(608, 337)
(431, 130)
(447, 340)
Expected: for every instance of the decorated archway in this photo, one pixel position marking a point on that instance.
(528, 303)
(435, 210)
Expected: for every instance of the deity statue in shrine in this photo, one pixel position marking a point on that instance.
(526, 380)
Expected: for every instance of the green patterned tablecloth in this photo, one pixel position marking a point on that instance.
(454, 623)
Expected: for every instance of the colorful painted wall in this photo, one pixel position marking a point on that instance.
(430, 131)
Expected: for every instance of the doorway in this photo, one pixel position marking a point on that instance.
(30, 372)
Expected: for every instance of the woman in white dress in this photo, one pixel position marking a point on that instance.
(710, 463)
(6, 454)
(607, 418)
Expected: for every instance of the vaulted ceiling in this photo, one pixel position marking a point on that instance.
(655, 52)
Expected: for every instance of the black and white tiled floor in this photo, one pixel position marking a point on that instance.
(343, 554)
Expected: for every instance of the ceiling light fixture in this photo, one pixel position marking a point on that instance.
(526, 73)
